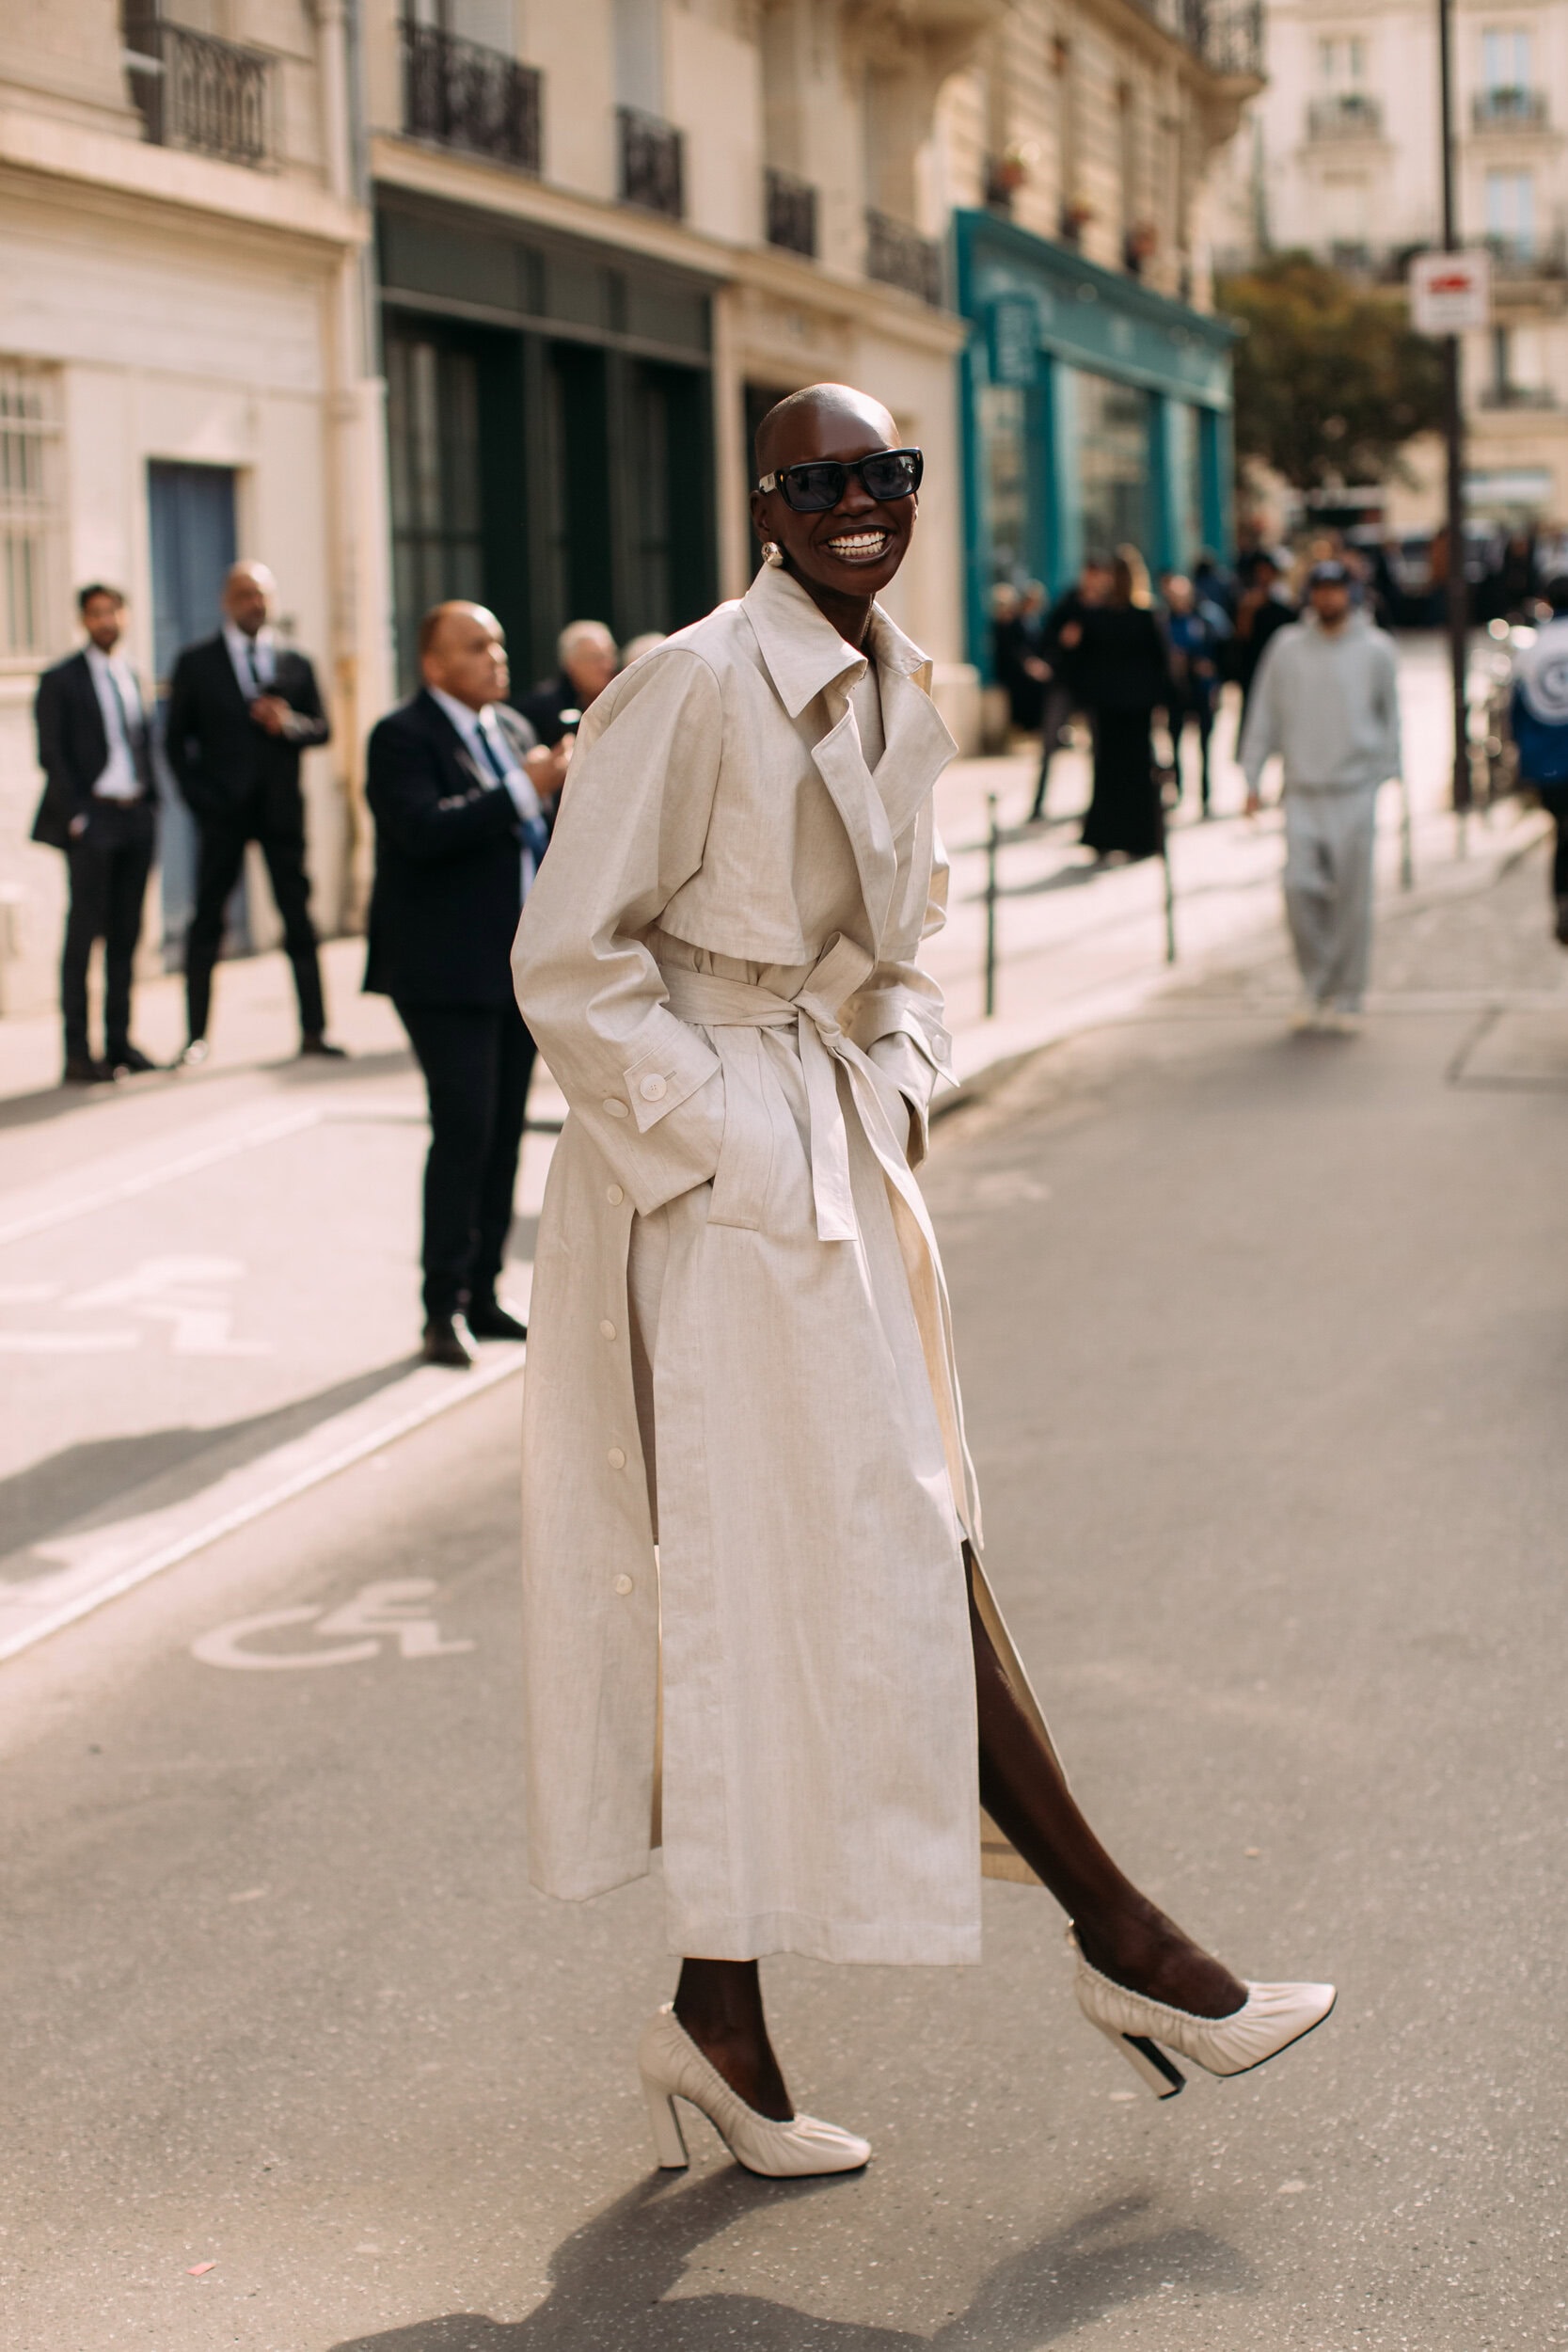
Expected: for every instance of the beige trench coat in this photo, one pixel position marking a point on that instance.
(739, 1343)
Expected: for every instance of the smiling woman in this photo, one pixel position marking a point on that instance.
(741, 1347)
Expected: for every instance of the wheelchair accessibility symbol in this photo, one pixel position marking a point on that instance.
(379, 1615)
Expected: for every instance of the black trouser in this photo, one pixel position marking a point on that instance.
(1201, 715)
(1554, 798)
(1055, 713)
(222, 856)
(108, 865)
(477, 1060)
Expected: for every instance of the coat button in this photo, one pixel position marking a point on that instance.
(652, 1090)
(614, 1195)
(607, 1330)
(616, 1108)
(617, 1459)
(622, 1585)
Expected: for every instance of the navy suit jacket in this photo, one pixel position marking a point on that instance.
(449, 869)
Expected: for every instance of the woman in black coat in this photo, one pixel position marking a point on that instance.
(1122, 675)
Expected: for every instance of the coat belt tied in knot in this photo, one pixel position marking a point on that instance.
(713, 1003)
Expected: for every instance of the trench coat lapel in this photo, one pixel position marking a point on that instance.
(806, 658)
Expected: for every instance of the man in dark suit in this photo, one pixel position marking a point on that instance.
(460, 791)
(98, 806)
(241, 710)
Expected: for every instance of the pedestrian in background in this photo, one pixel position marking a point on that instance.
(1195, 630)
(1122, 674)
(1326, 700)
(1539, 723)
(1263, 610)
(1060, 635)
(242, 709)
(587, 654)
(743, 1350)
(94, 742)
(460, 793)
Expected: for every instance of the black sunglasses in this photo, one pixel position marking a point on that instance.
(811, 489)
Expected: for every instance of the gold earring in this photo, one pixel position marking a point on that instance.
(772, 553)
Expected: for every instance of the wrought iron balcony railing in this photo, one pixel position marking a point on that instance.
(653, 162)
(460, 93)
(1227, 35)
(791, 206)
(1347, 115)
(898, 256)
(194, 92)
(1509, 109)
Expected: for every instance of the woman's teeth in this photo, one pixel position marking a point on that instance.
(859, 547)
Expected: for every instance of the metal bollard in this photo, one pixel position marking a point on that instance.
(993, 842)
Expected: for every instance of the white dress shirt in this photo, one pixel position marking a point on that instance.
(112, 672)
(474, 725)
(255, 658)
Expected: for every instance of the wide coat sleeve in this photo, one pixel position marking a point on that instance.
(899, 1014)
(630, 830)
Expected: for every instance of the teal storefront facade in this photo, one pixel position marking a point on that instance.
(1094, 412)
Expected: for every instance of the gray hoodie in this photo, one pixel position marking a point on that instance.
(1329, 705)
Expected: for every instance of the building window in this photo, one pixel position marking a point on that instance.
(1510, 211)
(1505, 60)
(433, 439)
(1343, 61)
(1113, 462)
(29, 514)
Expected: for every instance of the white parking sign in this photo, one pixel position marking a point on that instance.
(1450, 293)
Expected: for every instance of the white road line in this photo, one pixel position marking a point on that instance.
(255, 1506)
(60, 1212)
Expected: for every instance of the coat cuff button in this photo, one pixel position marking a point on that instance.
(652, 1090)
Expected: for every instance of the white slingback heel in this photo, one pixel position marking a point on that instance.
(673, 2068)
(1268, 2020)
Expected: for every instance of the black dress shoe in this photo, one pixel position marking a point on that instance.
(446, 1342)
(131, 1058)
(489, 1319)
(82, 1069)
(317, 1045)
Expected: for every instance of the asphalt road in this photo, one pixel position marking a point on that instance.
(1265, 1345)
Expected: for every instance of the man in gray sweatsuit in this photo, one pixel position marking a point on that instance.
(1327, 698)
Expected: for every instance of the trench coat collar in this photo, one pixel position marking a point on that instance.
(805, 657)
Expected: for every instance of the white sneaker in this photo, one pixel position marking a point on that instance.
(1307, 1015)
(1342, 1022)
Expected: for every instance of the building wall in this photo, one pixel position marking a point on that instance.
(179, 307)
(1348, 165)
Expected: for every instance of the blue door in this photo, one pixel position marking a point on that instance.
(191, 515)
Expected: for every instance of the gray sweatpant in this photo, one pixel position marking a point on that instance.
(1329, 836)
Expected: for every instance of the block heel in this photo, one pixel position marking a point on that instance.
(669, 2139)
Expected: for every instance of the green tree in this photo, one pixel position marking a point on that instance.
(1331, 380)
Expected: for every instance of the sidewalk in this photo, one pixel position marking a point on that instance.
(209, 1279)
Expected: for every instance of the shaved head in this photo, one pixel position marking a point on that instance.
(248, 592)
(463, 651)
(790, 430)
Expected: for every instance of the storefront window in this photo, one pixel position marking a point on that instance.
(433, 442)
(1007, 478)
(1186, 450)
(1113, 462)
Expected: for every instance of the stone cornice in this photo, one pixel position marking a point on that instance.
(167, 180)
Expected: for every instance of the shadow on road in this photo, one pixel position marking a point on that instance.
(98, 1477)
(608, 2280)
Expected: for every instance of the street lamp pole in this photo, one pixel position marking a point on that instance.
(1458, 585)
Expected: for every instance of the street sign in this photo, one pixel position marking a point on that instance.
(1450, 293)
(1015, 327)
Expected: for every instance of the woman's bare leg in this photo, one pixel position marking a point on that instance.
(1119, 1931)
(718, 2002)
